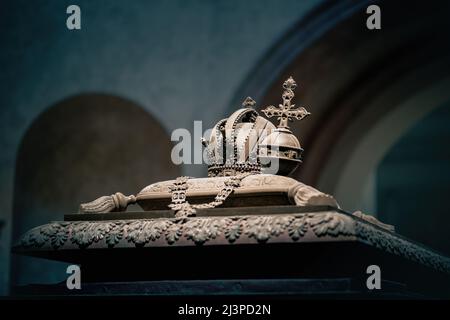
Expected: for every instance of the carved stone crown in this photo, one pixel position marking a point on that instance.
(247, 142)
(233, 144)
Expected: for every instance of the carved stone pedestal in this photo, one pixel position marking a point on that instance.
(313, 251)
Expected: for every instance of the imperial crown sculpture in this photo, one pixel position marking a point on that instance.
(248, 211)
(247, 154)
(247, 142)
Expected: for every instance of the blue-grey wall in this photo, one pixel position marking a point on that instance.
(180, 60)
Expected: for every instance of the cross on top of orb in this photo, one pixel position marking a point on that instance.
(285, 112)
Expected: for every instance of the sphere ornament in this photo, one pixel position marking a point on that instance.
(280, 151)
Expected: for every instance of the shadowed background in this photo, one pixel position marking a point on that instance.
(90, 112)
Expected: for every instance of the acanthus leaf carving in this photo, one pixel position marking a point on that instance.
(258, 228)
(34, 237)
(59, 237)
(201, 230)
(85, 233)
(115, 234)
(142, 232)
(234, 230)
(331, 224)
(174, 233)
(279, 224)
(298, 228)
(264, 227)
(56, 233)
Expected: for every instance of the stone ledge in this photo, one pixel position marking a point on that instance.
(331, 226)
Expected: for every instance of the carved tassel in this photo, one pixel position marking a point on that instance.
(105, 204)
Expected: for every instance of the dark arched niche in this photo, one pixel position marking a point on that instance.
(77, 150)
(413, 181)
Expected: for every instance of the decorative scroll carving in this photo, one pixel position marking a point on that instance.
(305, 195)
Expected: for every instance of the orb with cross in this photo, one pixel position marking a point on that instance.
(281, 145)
